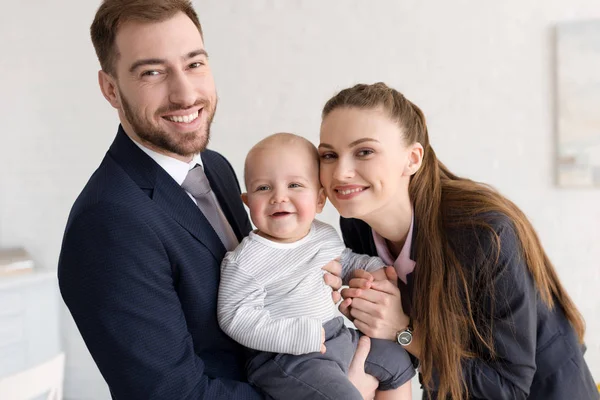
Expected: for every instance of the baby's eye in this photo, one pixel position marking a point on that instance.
(294, 185)
(262, 188)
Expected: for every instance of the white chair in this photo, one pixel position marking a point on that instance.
(45, 378)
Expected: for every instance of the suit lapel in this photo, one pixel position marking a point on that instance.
(165, 192)
(176, 202)
(410, 278)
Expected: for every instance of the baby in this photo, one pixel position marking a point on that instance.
(272, 296)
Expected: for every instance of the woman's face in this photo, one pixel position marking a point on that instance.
(365, 165)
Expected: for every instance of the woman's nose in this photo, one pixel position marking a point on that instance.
(343, 170)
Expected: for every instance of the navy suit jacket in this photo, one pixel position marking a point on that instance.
(538, 353)
(139, 271)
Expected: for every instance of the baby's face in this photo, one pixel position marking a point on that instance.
(284, 193)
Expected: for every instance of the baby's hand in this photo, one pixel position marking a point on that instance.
(379, 275)
(323, 348)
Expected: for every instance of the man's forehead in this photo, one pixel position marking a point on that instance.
(174, 37)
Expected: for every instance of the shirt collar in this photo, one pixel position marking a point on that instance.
(403, 263)
(177, 169)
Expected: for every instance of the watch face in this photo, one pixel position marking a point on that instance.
(404, 338)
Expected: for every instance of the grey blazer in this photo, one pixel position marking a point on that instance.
(538, 354)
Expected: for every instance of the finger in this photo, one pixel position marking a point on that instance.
(334, 267)
(375, 309)
(360, 283)
(361, 273)
(360, 356)
(336, 296)
(345, 308)
(323, 349)
(344, 292)
(371, 295)
(391, 274)
(352, 292)
(363, 317)
(364, 328)
(386, 287)
(333, 281)
(379, 274)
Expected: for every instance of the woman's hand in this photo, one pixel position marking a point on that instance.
(333, 278)
(365, 383)
(375, 306)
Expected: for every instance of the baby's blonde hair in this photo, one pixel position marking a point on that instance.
(279, 140)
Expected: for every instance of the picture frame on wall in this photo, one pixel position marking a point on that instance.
(578, 103)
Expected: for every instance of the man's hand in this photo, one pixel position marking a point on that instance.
(365, 383)
(333, 278)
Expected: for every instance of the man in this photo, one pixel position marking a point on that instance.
(139, 265)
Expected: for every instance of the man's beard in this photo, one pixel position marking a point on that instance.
(183, 144)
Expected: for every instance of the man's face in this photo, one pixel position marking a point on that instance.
(164, 88)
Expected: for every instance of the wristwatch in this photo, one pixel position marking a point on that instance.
(404, 338)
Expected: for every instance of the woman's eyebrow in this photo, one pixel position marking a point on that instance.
(356, 142)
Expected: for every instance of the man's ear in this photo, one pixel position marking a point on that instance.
(321, 200)
(245, 198)
(415, 159)
(108, 86)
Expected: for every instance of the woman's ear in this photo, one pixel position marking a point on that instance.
(415, 159)
(321, 200)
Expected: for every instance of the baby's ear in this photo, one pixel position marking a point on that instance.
(245, 198)
(321, 200)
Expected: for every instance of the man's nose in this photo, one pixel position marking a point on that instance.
(182, 91)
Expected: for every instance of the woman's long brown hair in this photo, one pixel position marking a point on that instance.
(445, 319)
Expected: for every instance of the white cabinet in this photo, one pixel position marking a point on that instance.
(29, 321)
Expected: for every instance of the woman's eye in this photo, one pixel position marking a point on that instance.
(364, 153)
(327, 156)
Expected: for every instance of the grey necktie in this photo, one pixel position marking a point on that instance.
(196, 183)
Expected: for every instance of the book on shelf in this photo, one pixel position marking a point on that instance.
(15, 261)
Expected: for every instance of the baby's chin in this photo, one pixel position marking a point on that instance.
(283, 236)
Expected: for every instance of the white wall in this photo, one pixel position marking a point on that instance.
(481, 70)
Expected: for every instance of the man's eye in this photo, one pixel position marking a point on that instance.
(197, 64)
(150, 73)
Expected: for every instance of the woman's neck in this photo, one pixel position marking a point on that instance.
(393, 224)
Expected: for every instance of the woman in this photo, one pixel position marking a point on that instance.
(480, 306)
